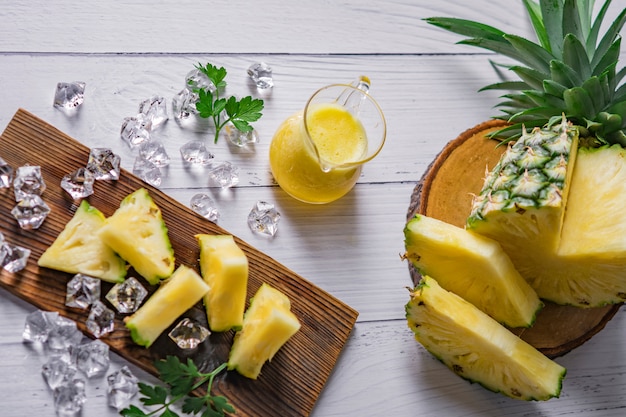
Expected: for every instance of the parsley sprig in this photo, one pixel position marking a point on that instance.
(182, 379)
(238, 112)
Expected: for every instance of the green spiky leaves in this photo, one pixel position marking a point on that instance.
(571, 69)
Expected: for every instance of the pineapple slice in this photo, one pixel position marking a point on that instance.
(137, 232)
(78, 249)
(477, 348)
(175, 296)
(224, 267)
(473, 267)
(268, 324)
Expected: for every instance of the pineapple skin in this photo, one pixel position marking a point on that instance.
(268, 324)
(574, 256)
(473, 267)
(78, 249)
(477, 348)
(224, 268)
(137, 232)
(175, 296)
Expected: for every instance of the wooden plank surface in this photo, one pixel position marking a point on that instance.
(298, 373)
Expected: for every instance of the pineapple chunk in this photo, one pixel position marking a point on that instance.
(477, 348)
(78, 249)
(137, 232)
(268, 324)
(224, 267)
(175, 296)
(473, 267)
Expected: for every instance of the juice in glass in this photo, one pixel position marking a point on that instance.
(317, 154)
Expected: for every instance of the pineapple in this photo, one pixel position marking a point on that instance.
(175, 296)
(473, 267)
(267, 325)
(78, 249)
(477, 348)
(569, 74)
(137, 232)
(224, 267)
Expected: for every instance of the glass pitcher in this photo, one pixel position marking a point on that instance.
(316, 155)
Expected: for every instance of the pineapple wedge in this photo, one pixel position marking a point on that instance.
(268, 324)
(137, 232)
(224, 267)
(477, 348)
(175, 296)
(78, 249)
(473, 267)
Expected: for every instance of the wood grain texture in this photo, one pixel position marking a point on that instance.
(297, 374)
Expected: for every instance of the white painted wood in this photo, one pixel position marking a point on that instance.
(127, 51)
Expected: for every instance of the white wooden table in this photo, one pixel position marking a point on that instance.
(127, 51)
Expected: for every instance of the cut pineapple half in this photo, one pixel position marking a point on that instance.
(78, 249)
(473, 267)
(224, 267)
(175, 296)
(268, 324)
(137, 232)
(477, 348)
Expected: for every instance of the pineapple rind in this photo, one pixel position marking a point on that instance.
(137, 232)
(224, 267)
(473, 267)
(268, 324)
(477, 348)
(77, 249)
(175, 296)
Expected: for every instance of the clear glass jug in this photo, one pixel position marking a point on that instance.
(317, 154)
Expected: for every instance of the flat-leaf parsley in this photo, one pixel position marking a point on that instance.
(181, 379)
(221, 110)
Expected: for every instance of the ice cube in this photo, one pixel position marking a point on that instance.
(263, 219)
(69, 95)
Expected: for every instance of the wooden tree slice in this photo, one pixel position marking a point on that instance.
(445, 192)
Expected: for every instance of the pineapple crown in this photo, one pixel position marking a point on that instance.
(572, 70)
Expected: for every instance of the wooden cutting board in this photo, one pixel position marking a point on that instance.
(445, 193)
(288, 386)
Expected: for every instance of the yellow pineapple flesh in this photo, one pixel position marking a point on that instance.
(78, 248)
(268, 324)
(473, 267)
(137, 232)
(175, 296)
(224, 267)
(477, 348)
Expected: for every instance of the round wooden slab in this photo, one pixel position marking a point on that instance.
(445, 193)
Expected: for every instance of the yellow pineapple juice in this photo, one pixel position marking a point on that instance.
(311, 161)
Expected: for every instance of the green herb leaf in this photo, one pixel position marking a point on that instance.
(133, 411)
(183, 379)
(211, 106)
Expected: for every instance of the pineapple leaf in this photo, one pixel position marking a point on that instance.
(535, 113)
(553, 88)
(466, 28)
(596, 93)
(592, 38)
(534, 12)
(575, 56)
(501, 47)
(542, 99)
(578, 102)
(552, 14)
(533, 78)
(530, 53)
(506, 85)
(572, 26)
(607, 61)
(564, 74)
(610, 37)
